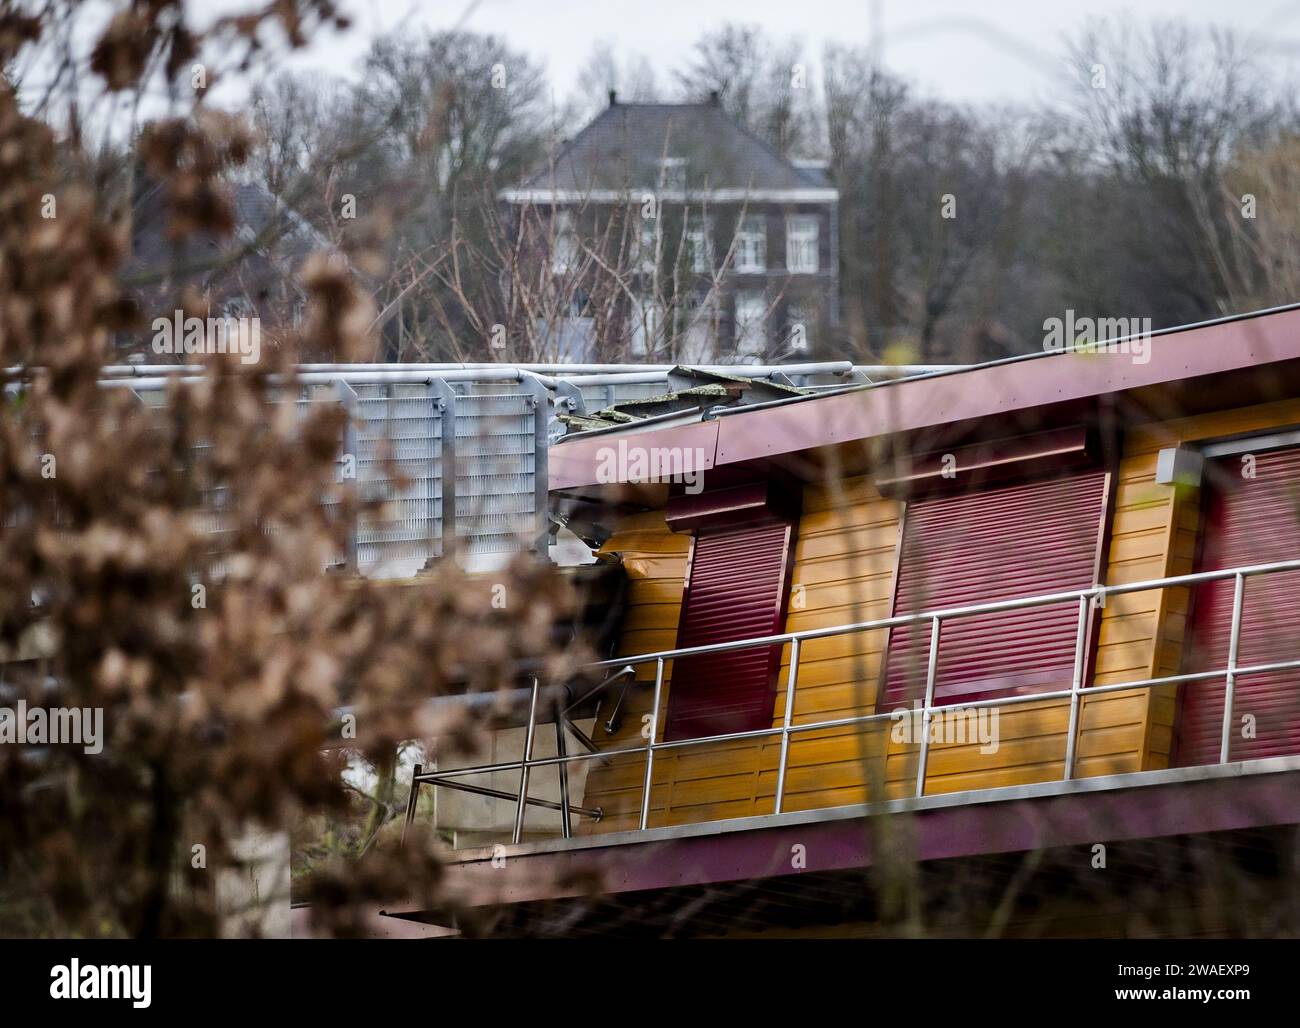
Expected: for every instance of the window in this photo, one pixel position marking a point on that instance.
(699, 241)
(672, 174)
(645, 323)
(798, 325)
(736, 588)
(1000, 543)
(644, 245)
(751, 244)
(801, 236)
(751, 334)
(564, 253)
(1248, 521)
(699, 317)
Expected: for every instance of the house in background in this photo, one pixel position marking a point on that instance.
(250, 272)
(670, 232)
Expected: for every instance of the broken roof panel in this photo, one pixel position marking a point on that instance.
(690, 389)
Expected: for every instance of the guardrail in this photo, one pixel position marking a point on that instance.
(458, 453)
(1085, 598)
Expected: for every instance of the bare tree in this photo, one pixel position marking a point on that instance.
(1161, 110)
(768, 87)
(631, 77)
(218, 660)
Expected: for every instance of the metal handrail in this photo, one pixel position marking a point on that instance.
(1087, 599)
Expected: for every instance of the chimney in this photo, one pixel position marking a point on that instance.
(714, 99)
(613, 98)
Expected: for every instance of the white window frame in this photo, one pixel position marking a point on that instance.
(698, 341)
(750, 322)
(643, 339)
(645, 245)
(751, 245)
(802, 244)
(672, 175)
(798, 314)
(699, 238)
(564, 249)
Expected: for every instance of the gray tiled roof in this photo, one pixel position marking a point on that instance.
(280, 232)
(622, 147)
(259, 213)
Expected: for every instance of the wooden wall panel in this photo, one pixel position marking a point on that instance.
(844, 572)
(654, 560)
(1114, 727)
(844, 568)
(844, 564)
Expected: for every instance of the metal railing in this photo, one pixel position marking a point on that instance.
(1087, 599)
(457, 453)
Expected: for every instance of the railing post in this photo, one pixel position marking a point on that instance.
(524, 768)
(1076, 687)
(926, 713)
(561, 750)
(444, 471)
(351, 448)
(785, 725)
(411, 800)
(1230, 687)
(540, 400)
(650, 744)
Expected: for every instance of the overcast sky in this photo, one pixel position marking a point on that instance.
(998, 50)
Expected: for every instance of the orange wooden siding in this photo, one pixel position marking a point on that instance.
(844, 567)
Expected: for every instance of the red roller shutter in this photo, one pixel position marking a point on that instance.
(735, 590)
(1250, 521)
(980, 547)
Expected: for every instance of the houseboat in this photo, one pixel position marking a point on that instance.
(1002, 649)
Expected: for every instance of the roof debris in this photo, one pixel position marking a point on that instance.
(690, 389)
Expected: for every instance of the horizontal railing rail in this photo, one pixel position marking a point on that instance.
(1087, 599)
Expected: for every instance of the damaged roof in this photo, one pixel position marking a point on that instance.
(690, 389)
